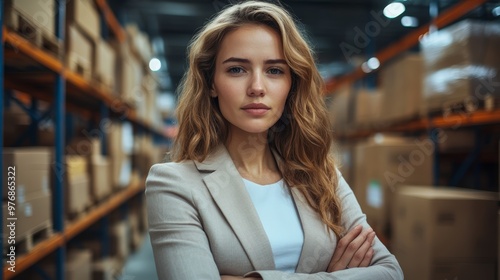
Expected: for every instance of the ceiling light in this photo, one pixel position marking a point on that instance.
(407, 21)
(365, 67)
(496, 11)
(373, 63)
(154, 64)
(394, 9)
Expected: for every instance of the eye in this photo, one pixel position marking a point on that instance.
(275, 71)
(235, 70)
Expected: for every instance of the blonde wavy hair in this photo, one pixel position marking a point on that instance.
(302, 136)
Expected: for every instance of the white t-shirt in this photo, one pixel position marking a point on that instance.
(277, 212)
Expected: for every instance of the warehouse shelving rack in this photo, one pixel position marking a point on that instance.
(66, 90)
(425, 124)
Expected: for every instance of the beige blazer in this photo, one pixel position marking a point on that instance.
(203, 224)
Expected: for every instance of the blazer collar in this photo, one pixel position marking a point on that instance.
(228, 191)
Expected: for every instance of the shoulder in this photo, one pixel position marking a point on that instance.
(172, 175)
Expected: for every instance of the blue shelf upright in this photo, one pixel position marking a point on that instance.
(59, 101)
(1, 126)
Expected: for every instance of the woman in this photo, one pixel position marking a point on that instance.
(253, 190)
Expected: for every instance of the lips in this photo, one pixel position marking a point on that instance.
(256, 109)
(255, 106)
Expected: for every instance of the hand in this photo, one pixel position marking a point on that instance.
(353, 250)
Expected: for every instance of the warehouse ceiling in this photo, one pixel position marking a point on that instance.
(342, 32)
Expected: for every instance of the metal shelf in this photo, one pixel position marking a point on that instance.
(57, 240)
(454, 121)
(405, 43)
(78, 89)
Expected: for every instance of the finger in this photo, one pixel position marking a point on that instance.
(354, 246)
(344, 242)
(367, 260)
(359, 256)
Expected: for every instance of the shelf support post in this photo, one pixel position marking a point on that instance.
(59, 101)
(1, 123)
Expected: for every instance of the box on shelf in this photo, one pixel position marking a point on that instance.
(105, 62)
(34, 216)
(383, 164)
(461, 64)
(106, 269)
(85, 15)
(140, 44)
(79, 52)
(129, 73)
(120, 239)
(100, 173)
(340, 109)
(17, 122)
(40, 13)
(346, 157)
(77, 185)
(442, 230)
(367, 110)
(31, 167)
(402, 88)
(78, 265)
(34, 20)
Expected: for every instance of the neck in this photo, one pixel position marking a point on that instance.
(252, 156)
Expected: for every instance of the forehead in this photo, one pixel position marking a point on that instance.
(252, 41)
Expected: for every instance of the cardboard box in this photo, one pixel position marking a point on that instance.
(384, 163)
(100, 185)
(106, 269)
(340, 108)
(140, 44)
(79, 52)
(129, 73)
(84, 14)
(78, 265)
(460, 63)
(367, 111)
(346, 161)
(120, 240)
(31, 166)
(105, 63)
(33, 215)
(437, 228)
(39, 12)
(402, 88)
(77, 195)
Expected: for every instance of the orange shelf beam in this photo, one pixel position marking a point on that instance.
(406, 42)
(112, 21)
(57, 240)
(32, 51)
(454, 121)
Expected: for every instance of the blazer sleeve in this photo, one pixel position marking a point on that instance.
(384, 265)
(180, 246)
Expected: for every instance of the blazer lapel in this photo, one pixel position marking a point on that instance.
(228, 191)
(314, 253)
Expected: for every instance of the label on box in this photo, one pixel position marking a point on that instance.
(374, 195)
(45, 185)
(21, 194)
(28, 210)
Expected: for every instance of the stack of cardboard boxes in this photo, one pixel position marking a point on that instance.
(86, 52)
(445, 233)
(461, 65)
(30, 169)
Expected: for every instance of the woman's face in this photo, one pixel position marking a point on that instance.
(252, 79)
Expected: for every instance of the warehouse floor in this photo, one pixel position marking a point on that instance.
(141, 264)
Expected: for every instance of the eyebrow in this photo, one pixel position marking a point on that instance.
(244, 60)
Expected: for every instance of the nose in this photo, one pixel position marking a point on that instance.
(256, 86)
